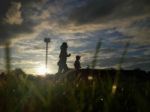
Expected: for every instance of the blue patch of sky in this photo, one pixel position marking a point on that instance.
(109, 62)
(89, 44)
(108, 36)
(138, 50)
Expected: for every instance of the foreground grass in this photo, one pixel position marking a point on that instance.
(53, 94)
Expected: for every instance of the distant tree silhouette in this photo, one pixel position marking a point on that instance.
(19, 72)
(77, 64)
(63, 58)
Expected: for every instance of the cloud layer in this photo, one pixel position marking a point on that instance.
(82, 23)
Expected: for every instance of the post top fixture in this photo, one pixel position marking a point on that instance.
(47, 40)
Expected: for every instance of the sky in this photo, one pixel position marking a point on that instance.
(80, 23)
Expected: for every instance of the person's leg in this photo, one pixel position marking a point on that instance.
(60, 69)
(65, 68)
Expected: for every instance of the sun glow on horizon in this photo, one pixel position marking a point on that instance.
(41, 70)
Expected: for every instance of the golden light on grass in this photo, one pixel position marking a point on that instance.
(90, 77)
(114, 88)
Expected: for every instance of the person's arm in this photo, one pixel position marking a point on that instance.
(69, 55)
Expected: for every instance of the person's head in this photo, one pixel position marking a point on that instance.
(78, 57)
(64, 45)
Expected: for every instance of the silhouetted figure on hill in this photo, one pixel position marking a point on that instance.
(77, 64)
(63, 58)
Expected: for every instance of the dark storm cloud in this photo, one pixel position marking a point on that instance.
(63, 12)
(93, 10)
(13, 20)
(96, 10)
(5, 4)
(11, 31)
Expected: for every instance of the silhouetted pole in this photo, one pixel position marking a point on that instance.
(46, 40)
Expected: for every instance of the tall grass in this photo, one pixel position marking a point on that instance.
(43, 94)
(7, 57)
(124, 53)
(97, 50)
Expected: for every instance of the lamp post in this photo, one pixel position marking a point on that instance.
(46, 40)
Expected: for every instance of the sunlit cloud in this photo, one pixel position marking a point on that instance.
(13, 16)
(81, 23)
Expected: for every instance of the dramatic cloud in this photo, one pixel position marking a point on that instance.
(107, 10)
(13, 16)
(70, 15)
(81, 23)
(14, 20)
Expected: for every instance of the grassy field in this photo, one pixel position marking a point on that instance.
(89, 91)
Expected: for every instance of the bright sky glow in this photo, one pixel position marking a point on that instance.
(80, 23)
(41, 70)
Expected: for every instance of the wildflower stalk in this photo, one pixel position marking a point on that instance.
(7, 58)
(94, 62)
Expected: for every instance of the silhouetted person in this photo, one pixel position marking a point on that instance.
(63, 58)
(77, 64)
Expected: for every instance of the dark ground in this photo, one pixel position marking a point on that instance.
(88, 91)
